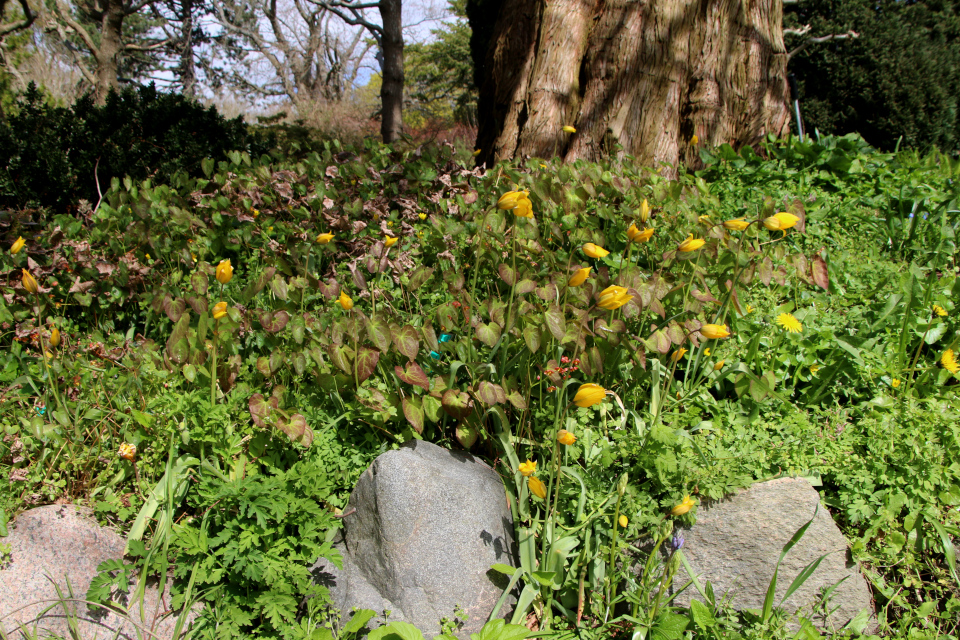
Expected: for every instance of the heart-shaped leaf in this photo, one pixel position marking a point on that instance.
(414, 375)
(407, 341)
(457, 404)
(413, 412)
(367, 360)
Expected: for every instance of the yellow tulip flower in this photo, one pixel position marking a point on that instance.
(579, 277)
(676, 355)
(643, 236)
(345, 301)
(737, 224)
(594, 251)
(510, 199)
(564, 437)
(719, 365)
(219, 310)
(15, 248)
(613, 297)
(632, 232)
(528, 468)
(685, 506)
(715, 331)
(787, 220)
(55, 337)
(537, 487)
(29, 282)
(690, 244)
(422, 216)
(224, 272)
(644, 211)
(389, 241)
(324, 238)
(524, 208)
(476, 152)
(588, 395)
(694, 140)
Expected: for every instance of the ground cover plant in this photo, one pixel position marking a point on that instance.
(213, 361)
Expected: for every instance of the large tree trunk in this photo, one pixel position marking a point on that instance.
(107, 55)
(391, 91)
(633, 77)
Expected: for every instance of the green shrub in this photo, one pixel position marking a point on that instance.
(55, 156)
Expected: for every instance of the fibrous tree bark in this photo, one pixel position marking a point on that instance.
(633, 77)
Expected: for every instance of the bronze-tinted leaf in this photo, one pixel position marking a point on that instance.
(407, 341)
(298, 329)
(466, 435)
(259, 409)
(420, 276)
(488, 333)
(556, 323)
(413, 412)
(431, 409)
(299, 362)
(278, 285)
(818, 269)
(256, 286)
(662, 341)
(531, 335)
(294, 427)
(274, 321)
(174, 308)
(491, 394)
(378, 332)
(413, 375)
(430, 336)
(342, 358)
(263, 366)
(200, 282)
(367, 360)
(457, 404)
(547, 293)
(525, 286)
(507, 274)
(199, 305)
(330, 289)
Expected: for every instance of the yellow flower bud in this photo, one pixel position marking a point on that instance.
(690, 244)
(564, 437)
(594, 251)
(324, 238)
(737, 224)
(510, 199)
(718, 366)
(537, 487)
(715, 331)
(568, 129)
(787, 220)
(685, 506)
(345, 301)
(588, 395)
(15, 248)
(389, 241)
(29, 282)
(55, 337)
(224, 272)
(579, 277)
(127, 451)
(219, 310)
(622, 520)
(644, 211)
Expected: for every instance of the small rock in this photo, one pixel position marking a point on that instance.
(421, 531)
(62, 543)
(736, 542)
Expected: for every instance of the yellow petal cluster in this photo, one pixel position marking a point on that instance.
(29, 282)
(644, 211)
(219, 310)
(613, 297)
(510, 199)
(719, 365)
(940, 311)
(715, 331)
(345, 301)
(949, 361)
(685, 506)
(636, 235)
(789, 322)
(528, 468)
(127, 451)
(537, 487)
(15, 248)
(324, 238)
(389, 241)
(524, 208)
(594, 251)
(679, 353)
(588, 395)
(781, 221)
(690, 244)
(564, 437)
(579, 277)
(224, 272)
(55, 337)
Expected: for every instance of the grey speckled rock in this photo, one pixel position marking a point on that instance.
(428, 525)
(62, 542)
(736, 542)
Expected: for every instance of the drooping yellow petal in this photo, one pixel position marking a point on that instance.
(690, 244)
(537, 487)
(509, 200)
(644, 236)
(787, 220)
(594, 251)
(324, 238)
(528, 468)
(588, 395)
(389, 241)
(219, 310)
(17, 245)
(685, 506)
(524, 208)
(579, 277)
(737, 224)
(715, 331)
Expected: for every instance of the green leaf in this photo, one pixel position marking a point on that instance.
(413, 374)
(488, 333)
(407, 341)
(669, 626)
(413, 412)
(367, 360)
(556, 323)
(701, 614)
(457, 404)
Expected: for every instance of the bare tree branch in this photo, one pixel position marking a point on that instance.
(849, 35)
(17, 25)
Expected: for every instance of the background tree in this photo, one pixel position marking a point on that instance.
(439, 74)
(900, 77)
(641, 78)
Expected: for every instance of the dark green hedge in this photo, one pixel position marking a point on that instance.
(50, 155)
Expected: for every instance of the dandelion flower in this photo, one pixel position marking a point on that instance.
(537, 487)
(422, 216)
(788, 322)
(940, 311)
(528, 468)
(685, 506)
(949, 361)
(594, 251)
(564, 437)
(895, 383)
(579, 277)
(588, 395)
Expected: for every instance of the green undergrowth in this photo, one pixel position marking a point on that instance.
(377, 295)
